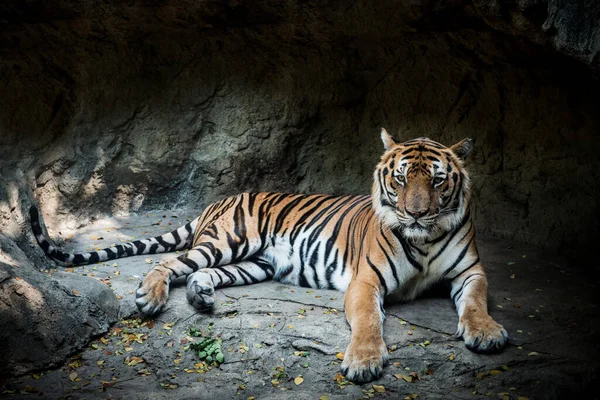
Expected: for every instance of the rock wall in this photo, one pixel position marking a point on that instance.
(110, 108)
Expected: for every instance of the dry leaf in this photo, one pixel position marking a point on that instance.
(404, 377)
(298, 380)
(340, 356)
(379, 388)
(72, 376)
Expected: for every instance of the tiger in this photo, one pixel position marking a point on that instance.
(414, 230)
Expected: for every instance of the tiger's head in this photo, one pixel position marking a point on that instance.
(421, 187)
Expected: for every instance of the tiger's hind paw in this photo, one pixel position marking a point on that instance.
(200, 290)
(151, 296)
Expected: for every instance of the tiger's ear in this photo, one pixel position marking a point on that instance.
(463, 148)
(387, 139)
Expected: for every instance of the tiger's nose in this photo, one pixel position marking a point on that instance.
(416, 214)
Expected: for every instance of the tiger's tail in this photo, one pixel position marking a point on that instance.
(175, 240)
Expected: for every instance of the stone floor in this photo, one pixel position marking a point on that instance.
(285, 342)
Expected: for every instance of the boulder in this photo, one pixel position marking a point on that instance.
(47, 318)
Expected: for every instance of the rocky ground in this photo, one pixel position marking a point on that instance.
(281, 341)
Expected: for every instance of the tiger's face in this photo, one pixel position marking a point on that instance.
(421, 187)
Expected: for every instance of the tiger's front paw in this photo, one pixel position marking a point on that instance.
(364, 362)
(153, 292)
(482, 334)
(200, 290)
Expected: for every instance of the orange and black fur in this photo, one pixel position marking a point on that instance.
(415, 230)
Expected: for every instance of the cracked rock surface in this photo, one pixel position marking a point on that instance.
(273, 333)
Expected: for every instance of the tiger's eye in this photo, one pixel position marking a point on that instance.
(400, 179)
(438, 180)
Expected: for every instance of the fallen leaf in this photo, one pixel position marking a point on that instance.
(340, 356)
(131, 361)
(379, 388)
(72, 376)
(298, 380)
(533, 353)
(452, 357)
(404, 377)
(76, 292)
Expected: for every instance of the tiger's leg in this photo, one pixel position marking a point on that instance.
(153, 292)
(201, 284)
(480, 332)
(367, 353)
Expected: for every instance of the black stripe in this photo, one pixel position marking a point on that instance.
(140, 246)
(120, 250)
(265, 266)
(314, 258)
(176, 237)
(459, 259)
(251, 200)
(129, 249)
(407, 250)
(438, 239)
(285, 212)
(216, 253)
(110, 254)
(331, 268)
(164, 244)
(300, 222)
(233, 246)
(301, 278)
(465, 219)
(242, 270)
(466, 269)
(389, 260)
(381, 280)
(211, 232)
(45, 245)
(230, 275)
(437, 153)
(463, 286)
(189, 262)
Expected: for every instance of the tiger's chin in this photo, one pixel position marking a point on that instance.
(419, 233)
